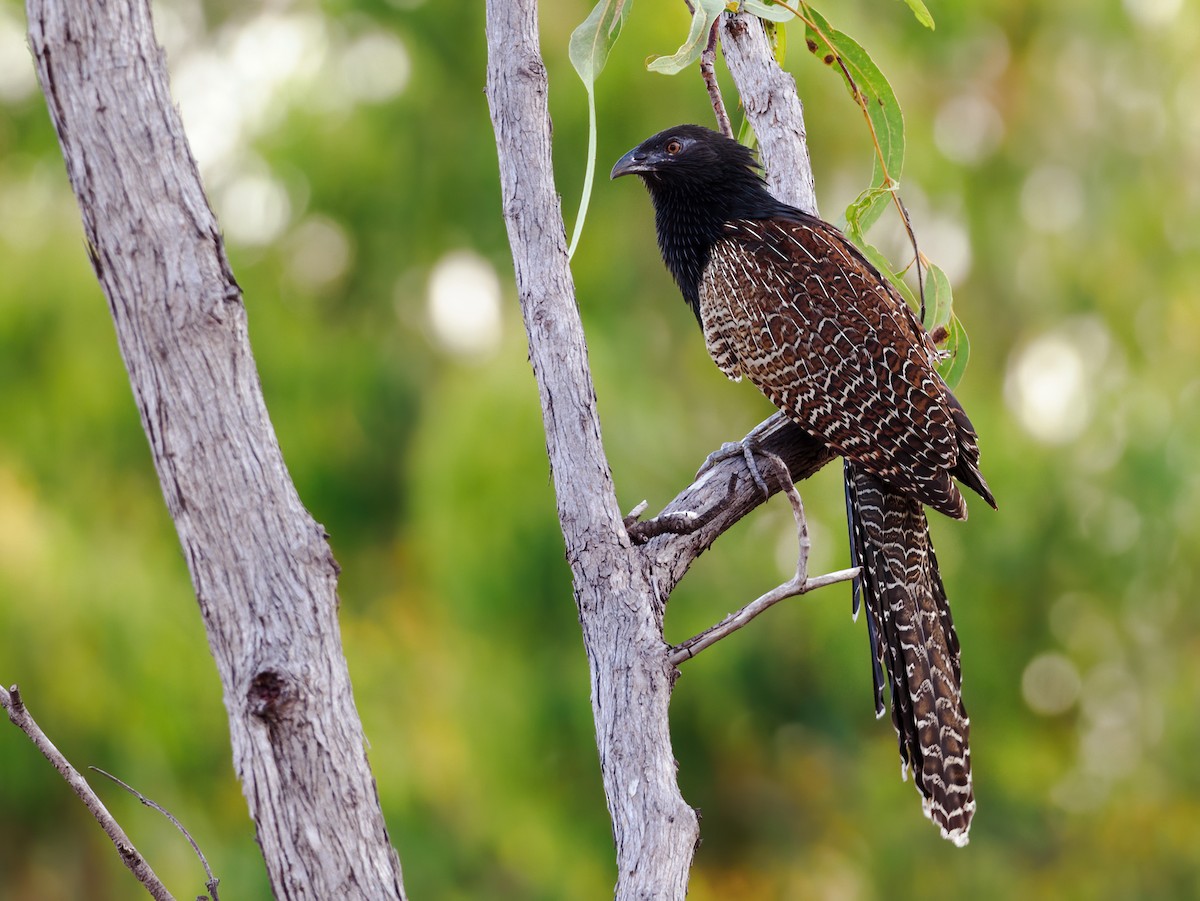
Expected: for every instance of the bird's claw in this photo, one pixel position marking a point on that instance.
(730, 449)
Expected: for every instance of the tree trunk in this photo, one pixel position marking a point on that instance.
(631, 674)
(620, 589)
(263, 572)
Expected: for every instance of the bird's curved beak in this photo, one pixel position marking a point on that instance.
(634, 162)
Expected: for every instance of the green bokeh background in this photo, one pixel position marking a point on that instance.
(1053, 169)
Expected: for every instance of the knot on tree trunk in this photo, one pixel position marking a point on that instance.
(270, 694)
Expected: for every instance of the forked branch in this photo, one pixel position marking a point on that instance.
(800, 583)
(20, 717)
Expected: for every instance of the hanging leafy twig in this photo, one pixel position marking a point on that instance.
(874, 96)
(872, 93)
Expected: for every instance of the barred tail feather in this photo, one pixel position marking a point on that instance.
(913, 646)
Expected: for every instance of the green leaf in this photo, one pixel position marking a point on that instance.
(957, 349)
(865, 209)
(922, 13)
(876, 258)
(746, 135)
(939, 315)
(705, 15)
(864, 80)
(766, 9)
(594, 38)
(589, 48)
(778, 39)
(939, 299)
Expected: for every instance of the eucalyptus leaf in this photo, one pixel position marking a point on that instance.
(593, 39)
(705, 14)
(922, 13)
(588, 49)
(958, 351)
(876, 258)
(769, 10)
(939, 299)
(866, 82)
(777, 35)
(746, 135)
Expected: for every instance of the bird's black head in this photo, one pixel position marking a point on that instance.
(698, 180)
(690, 158)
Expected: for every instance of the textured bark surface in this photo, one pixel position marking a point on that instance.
(263, 572)
(631, 674)
(774, 109)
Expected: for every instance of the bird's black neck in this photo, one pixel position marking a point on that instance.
(691, 218)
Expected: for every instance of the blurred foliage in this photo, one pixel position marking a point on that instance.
(1053, 170)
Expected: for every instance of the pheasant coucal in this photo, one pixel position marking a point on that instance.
(786, 300)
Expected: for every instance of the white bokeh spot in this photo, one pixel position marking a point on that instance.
(1052, 199)
(967, 128)
(375, 68)
(1051, 684)
(254, 209)
(463, 305)
(1051, 381)
(320, 252)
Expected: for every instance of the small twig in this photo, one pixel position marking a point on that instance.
(798, 584)
(212, 882)
(917, 257)
(682, 522)
(635, 514)
(735, 621)
(709, 73)
(19, 714)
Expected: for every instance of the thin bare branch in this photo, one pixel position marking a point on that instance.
(20, 717)
(918, 257)
(680, 522)
(212, 882)
(730, 624)
(708, 72)
(798, 584)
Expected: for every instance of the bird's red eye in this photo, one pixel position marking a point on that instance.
(673, 146)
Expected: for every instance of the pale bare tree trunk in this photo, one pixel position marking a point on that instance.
(631, 675)
(769, 97)
(621, 588)
(263, 572)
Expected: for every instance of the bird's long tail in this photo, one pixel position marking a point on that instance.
(913, 646)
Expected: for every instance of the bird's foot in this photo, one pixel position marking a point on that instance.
(748, 450)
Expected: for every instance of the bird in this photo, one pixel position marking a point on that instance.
(786, 301)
